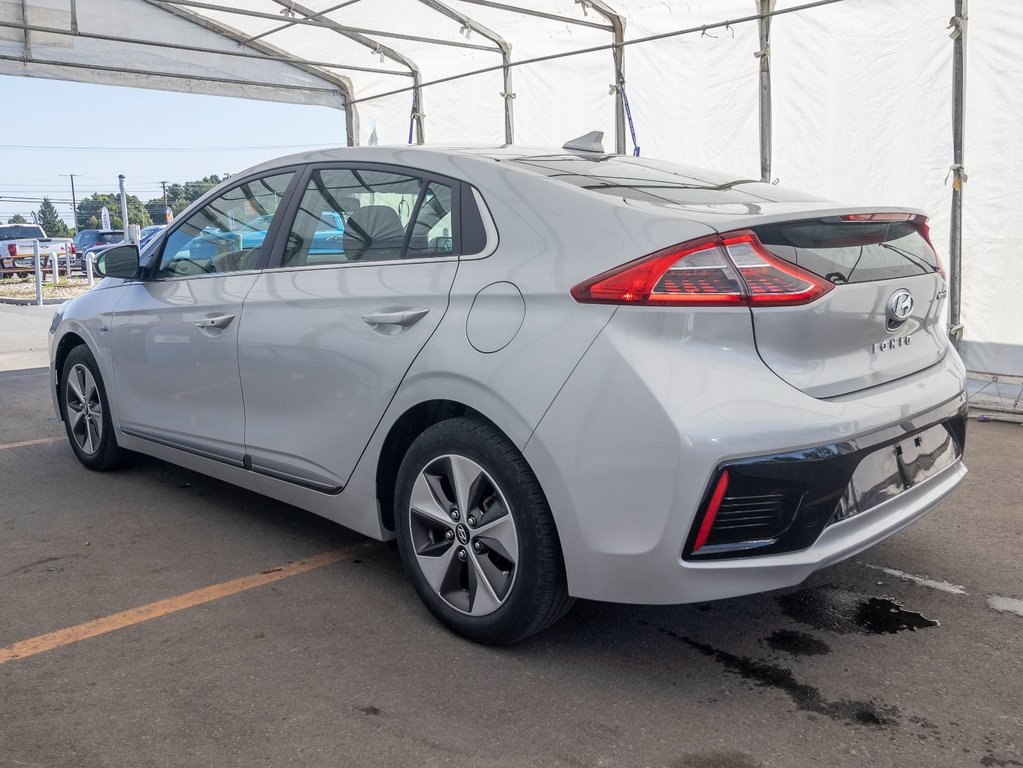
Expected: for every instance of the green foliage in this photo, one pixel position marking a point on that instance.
(50, 220)
(89, 211)
(17, 219)
(180, 196)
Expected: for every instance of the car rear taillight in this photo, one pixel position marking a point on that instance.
(74, 249)
(733, 269)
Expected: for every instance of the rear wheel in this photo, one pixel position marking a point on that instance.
(86, 410)
(476, 535)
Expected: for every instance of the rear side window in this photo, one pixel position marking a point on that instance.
(852, 251)
(348, 214)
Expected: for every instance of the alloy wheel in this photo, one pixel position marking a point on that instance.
(463, 535)
(84, 409)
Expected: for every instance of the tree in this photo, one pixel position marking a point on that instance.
(89, 211)
(17, 219)
(50, 220)
(180, 196)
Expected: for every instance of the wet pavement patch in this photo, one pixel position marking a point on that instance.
(881, 615)
(838, 610)
(796, 643)
(805, 697)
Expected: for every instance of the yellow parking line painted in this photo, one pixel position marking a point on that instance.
(40, 441)
(101, 626)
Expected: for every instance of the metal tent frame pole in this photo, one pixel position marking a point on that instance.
(955, 245)
(764, 8)
(503, 46)
(617, 22)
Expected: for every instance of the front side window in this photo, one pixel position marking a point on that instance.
(226, 234)
(350, 215)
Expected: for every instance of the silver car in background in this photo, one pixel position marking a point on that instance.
(548, 373)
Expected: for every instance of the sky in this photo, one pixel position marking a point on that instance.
(98, 132)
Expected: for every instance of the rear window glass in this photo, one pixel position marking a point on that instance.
(654, 181)
(16, 232)
(852, 252)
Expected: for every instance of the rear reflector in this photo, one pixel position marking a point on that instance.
(733, 269)
(712, 511)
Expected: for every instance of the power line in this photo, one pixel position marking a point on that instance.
(54, 148)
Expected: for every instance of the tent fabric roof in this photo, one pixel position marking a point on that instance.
(861, 95)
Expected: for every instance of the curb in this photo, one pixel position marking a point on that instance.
(29, 302)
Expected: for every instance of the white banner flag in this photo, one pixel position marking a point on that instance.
(105, 214)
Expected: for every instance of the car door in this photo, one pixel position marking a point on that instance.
(359, 281)
(175, 335)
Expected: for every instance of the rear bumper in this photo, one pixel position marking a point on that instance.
(658, 404)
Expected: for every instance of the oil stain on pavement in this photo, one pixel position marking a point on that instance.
(838, 610)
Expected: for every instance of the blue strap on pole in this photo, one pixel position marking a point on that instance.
(625, 102)
(628, 116)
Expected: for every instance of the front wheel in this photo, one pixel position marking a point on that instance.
(86, 411)
(476, 535)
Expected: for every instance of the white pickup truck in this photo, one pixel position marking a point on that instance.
(16, 250)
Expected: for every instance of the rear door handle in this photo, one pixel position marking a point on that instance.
(220, 321)
(405, 318)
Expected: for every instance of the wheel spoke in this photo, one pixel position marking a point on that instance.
(483, 598)
(88, 447)
(75, 386)
(464, 474)
(439, 571)
(500, 536)
(425, 502)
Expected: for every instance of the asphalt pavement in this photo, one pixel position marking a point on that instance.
(155, 617)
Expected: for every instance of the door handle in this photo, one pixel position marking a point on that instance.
(220, 321)
(405, 318)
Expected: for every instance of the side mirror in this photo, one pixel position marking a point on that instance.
(119, 261)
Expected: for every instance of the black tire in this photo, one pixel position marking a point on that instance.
(538, 593)
(100, 450)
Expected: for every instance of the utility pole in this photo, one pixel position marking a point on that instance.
(74, 202)
(164, 185)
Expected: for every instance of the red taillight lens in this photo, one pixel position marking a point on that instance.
(74, 249)
(727, 270)
(12, 249)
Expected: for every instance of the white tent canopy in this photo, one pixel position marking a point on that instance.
(860, 107)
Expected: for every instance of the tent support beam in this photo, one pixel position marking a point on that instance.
(315, 19)
(955, 245)
(290, 24)
(764, 8)
(505, 48)
(28, 38)
(343, 84)
(377, 47)
(281, 58)
(539, 14)
(618, 52)
(169, 75)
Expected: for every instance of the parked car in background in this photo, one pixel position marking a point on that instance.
(17, 252)
(548, 373)
(147, 233)
(92, 240)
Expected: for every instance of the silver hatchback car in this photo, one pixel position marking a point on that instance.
(548, 373)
